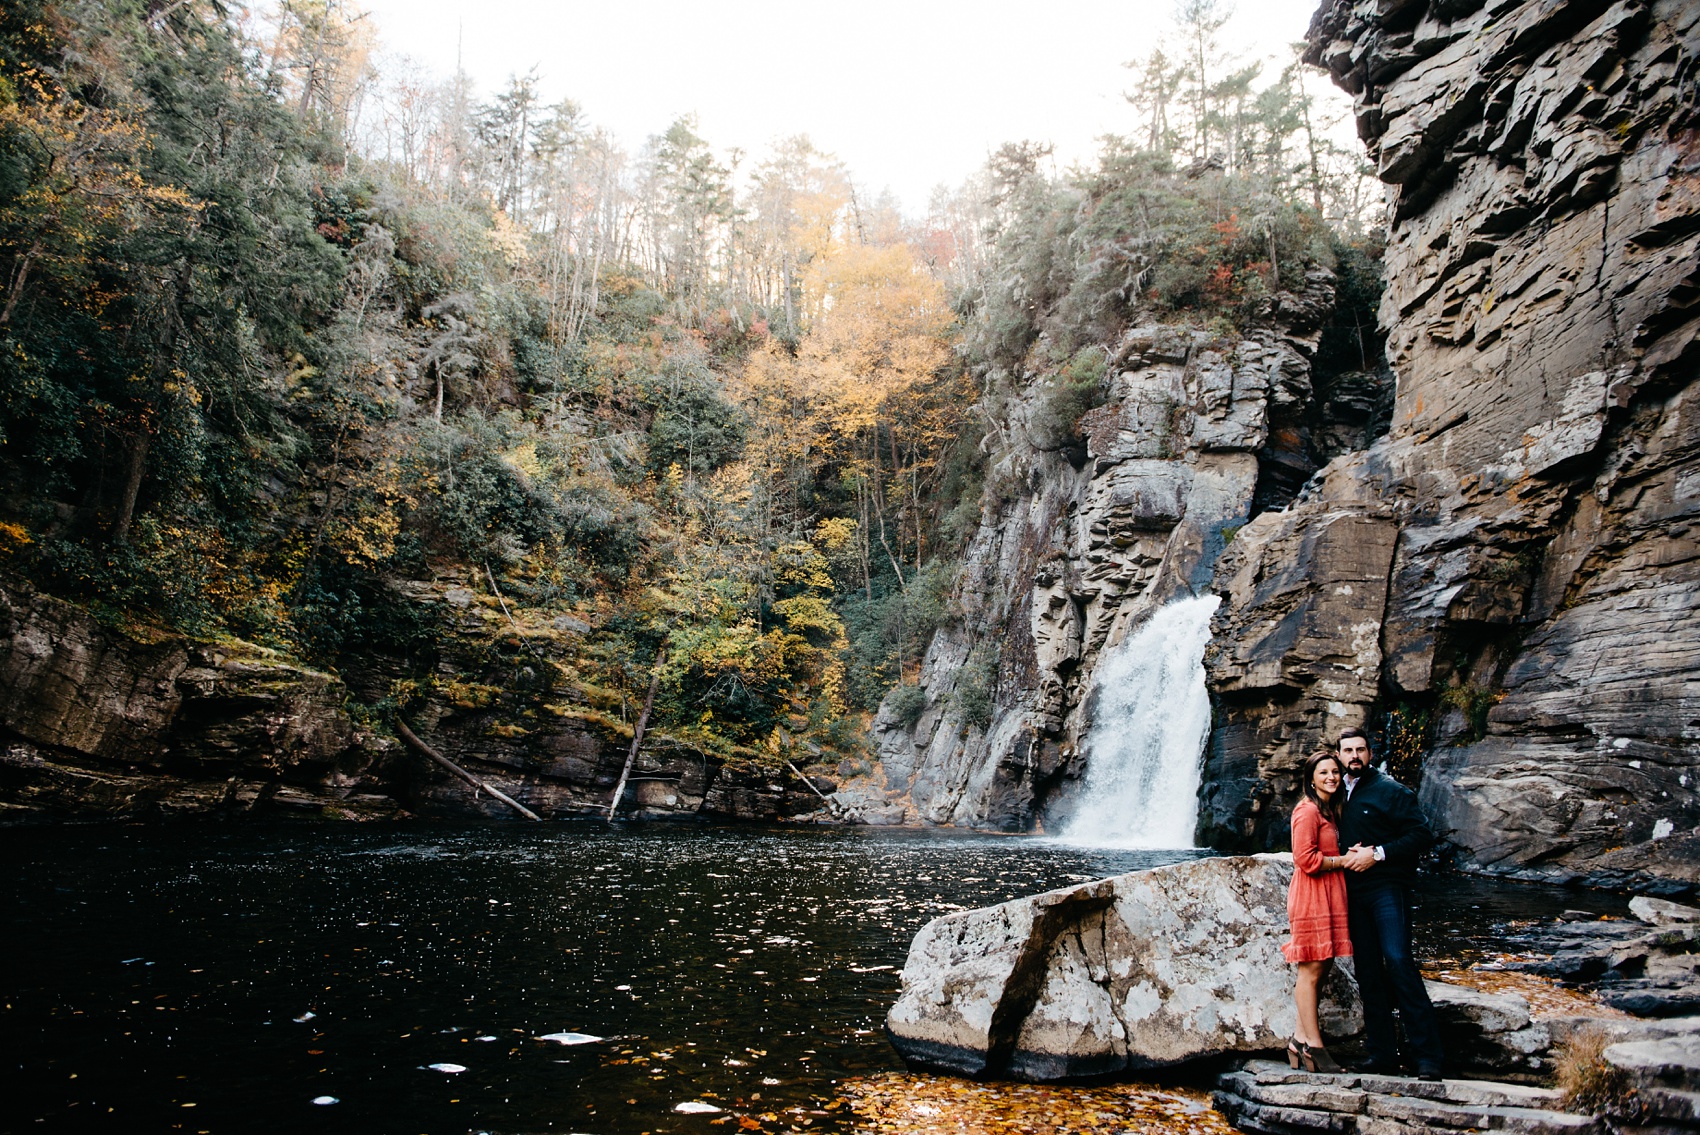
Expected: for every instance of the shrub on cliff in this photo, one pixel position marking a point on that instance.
(907, 701)
(1078, 258)
(1076, 388)
(692, 424)
(976, 688)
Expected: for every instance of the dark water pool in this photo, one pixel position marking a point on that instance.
(208, 979)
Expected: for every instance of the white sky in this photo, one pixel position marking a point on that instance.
(909, 94)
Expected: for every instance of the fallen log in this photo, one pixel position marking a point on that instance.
(831, 804)
(413, 739)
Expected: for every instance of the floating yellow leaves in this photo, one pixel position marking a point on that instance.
(897, 1103)
(1546, 997)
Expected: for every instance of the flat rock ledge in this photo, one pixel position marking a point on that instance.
(1268, 1098)
(1663, 1076)
(1143, 970)
(1658, 1093)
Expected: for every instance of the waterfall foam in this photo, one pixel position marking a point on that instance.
(1144, 747)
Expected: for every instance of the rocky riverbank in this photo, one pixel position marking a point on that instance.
(101, 721)
(1181, 964)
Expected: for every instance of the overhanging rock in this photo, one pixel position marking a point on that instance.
(1137, 971)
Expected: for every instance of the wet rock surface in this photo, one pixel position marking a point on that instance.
(1507, 581)
(1647, 968)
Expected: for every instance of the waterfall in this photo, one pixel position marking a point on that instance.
(1144, 747)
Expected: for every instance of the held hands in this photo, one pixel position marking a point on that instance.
(1358, 858)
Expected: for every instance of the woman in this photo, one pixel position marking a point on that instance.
(1316, 903)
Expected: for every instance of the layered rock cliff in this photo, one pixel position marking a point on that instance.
(1506, 585)
(1077, 545)
(101, 721)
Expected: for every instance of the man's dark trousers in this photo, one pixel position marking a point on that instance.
(1379, 920)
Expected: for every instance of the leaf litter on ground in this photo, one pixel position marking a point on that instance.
(899, 1103)
(1547, 996)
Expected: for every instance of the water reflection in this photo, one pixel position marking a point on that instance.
(582, 978)
(225, 979)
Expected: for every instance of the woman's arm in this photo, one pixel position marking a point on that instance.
(1307, 841)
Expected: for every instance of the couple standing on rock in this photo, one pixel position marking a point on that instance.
(1358, 905)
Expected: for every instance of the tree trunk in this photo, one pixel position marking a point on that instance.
(132, 485)
(862, 547)
(1310, 143)
(313, 66)
(637, 734)
(831, 805)
(915, 496)
(879, 507)
(18, 278)
(897, 482)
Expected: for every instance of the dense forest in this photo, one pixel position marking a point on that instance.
(283, 335)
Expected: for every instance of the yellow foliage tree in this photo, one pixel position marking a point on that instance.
(870, 394)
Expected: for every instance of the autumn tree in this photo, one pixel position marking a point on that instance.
(319, 54)
(155, 222)
(686, 204)
(796, 206)
(1196, 101)
(865, 406)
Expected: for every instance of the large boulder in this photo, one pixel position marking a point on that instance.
(1137, 971)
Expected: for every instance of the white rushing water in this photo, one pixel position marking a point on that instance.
(1144, 747)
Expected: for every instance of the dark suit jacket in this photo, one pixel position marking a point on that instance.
(1382, 812)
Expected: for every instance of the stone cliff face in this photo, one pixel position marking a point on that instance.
(1076, 548)
(100, 722)
(1507, 584)
(1504, 587)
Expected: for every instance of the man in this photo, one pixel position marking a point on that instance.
(1385, 832)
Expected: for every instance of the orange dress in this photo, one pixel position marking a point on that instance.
(1316, 901)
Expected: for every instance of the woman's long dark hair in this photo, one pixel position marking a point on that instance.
(1331, 809)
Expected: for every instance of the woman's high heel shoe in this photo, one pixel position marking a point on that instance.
(1295, 1049)
(1315, 1058)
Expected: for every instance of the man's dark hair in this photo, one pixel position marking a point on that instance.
(1345, 733)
